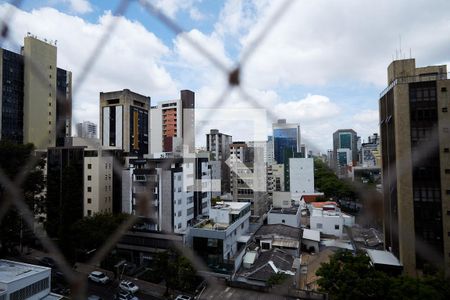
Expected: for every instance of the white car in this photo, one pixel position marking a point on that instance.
(99, 277)
(128, 286)
(182, 297)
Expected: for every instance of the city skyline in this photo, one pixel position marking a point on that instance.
(321, 85)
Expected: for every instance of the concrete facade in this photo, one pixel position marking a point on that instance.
(414, 145)
(125, 121)
(301, 177)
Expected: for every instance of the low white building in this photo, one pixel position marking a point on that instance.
(288, 216)
(24, 281)
(330, 220)
(221, 239)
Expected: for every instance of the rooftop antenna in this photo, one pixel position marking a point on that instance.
(400, 45)
(410, 56)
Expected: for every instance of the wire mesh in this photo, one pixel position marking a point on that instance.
(13, 194)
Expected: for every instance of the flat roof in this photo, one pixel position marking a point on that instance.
(11, 271)
(285, 211)
(234, 207)
(383, 257)
(312, 235)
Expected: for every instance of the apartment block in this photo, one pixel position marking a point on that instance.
(218, 145)
(173, 124)
(86, 129)
(36, 98)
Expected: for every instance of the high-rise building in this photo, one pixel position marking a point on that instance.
(269, 148)
(173, 124)
(414, 125)
(344, 139)
(218, 145)
(286, 136)
(36, 98)
(87, 130)
(124, 121)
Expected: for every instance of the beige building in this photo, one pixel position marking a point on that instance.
(47, 107)
(415, 143)
(98, 183)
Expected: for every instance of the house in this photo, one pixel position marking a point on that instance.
(311, 240)
(327, 218)
(279, 236)
(267, 264)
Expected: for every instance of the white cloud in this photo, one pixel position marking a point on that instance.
(130, 59)
(80, 6)
(196, 15)
(171, 7)
(319, 42)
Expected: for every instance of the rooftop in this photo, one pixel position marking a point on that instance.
(287, 210)
(233, 207)
(383, 257)
(311, 235)
(11, 271)
(279, 230)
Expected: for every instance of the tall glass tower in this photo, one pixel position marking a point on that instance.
(286, 136)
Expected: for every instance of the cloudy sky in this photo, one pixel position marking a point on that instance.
(323, 63)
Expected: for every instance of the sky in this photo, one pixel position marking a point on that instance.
(322, 63)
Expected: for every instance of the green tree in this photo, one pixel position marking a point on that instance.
(13, 230)
(91, 232)
(176, 271)
(348, 276)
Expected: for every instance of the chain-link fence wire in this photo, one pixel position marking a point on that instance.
(14, 196)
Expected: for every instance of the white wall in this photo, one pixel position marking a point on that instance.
(301, 174)
(155, 130)
(289, 219)
(327, 224)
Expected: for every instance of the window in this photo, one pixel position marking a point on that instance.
(89, 200)
(89, 189)
(89, 166)
(29, 291)
(336, 227)
(443, 89)
(179, 225)
(447, 171)
(444, 109)
(447, 192)
(89, 177)
(446, 150)
(283, 221)
(319, 226)
(89, 212)
(265, 246)
(179, 213)
(242, 226)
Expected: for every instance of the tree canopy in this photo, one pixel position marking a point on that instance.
(13, 158)
(349, 276)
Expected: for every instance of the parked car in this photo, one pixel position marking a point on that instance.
(48, 262)
(183, 297)
(128, 286)
(123, 295)
(99, 277)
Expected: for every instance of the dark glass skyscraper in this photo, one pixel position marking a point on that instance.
(285, 137)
